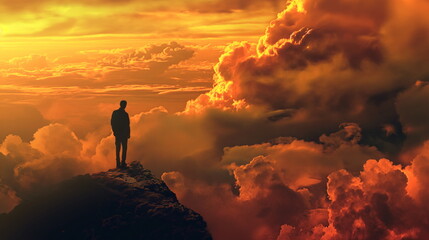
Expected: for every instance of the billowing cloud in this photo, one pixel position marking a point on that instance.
(274, 184)
(53, 155)
(323, 63)
(384, 201)
(326, 62)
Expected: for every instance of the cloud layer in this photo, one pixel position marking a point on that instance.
(318, 131)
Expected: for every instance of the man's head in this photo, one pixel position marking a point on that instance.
(123, 104)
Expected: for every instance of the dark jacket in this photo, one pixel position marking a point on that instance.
(120, 123)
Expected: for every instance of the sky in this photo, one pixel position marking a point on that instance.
(302, 119)
(60, 57)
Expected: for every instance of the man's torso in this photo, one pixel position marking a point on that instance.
(120, 123)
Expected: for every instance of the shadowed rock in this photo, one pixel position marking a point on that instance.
(117, 204)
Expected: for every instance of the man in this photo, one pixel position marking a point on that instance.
(121, 129)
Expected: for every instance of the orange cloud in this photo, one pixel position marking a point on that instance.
(98, 68)
(274, 184)
(325, 63)
(54, 154)
(376, 204)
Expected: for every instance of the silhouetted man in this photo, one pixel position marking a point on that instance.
(121, 129)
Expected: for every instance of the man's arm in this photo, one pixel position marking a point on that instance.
(128, 126)
(114, 122)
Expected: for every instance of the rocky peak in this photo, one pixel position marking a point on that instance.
(117, 204)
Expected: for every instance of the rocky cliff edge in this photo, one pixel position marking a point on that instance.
(117, 204)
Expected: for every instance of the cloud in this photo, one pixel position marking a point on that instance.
(71, 89)
(385, 201)
(201, 6)
(414, 118)
(274, 184)
(262, 183)
(53, 155)
(56, 140)
(130, 19)
(14, 120)
(233, 211)
(157, 58)
(24, 5)
(378, 203)
(321, 64)
(98, 68)
(322, 60)
(223, 6)
(31, 62)
(382, 208)
(8, 199)
(169, 142)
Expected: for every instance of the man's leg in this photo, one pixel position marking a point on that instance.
(124, 151)
(118, 149)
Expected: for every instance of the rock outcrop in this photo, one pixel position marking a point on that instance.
(117, 204)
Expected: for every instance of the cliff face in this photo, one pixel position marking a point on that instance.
(117, 204)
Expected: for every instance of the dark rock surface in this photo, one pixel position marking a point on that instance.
(117, 204)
